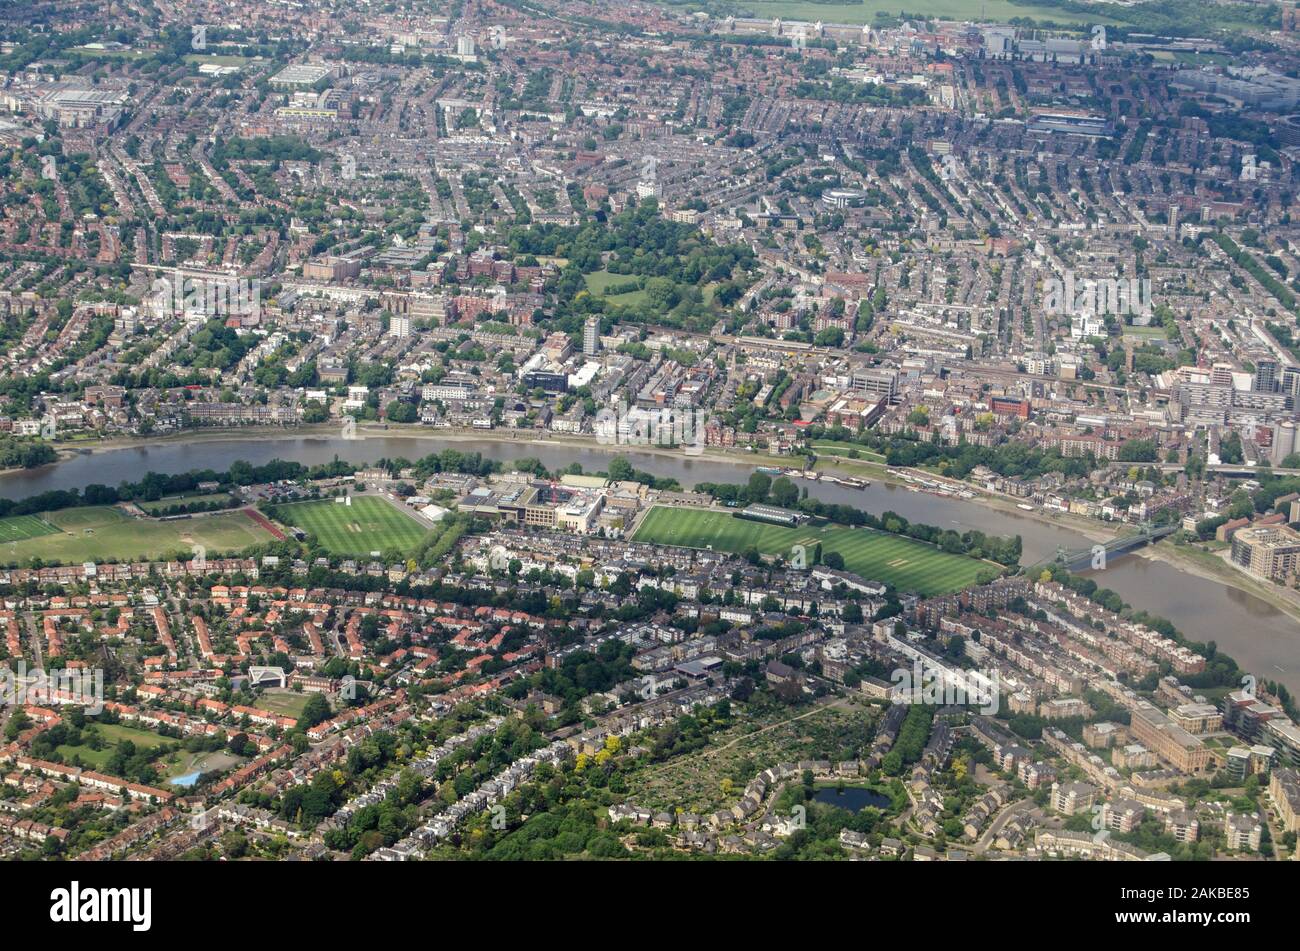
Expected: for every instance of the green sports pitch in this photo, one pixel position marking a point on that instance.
(368, 524)
(106, 533)
(17, 528)
(905, 563)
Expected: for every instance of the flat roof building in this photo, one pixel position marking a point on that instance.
(301, 76)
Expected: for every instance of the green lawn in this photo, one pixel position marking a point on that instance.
(95, 759)
(113, 735)
(101, 533)
(630, 299)
(905, 563)
(118, 732)
(221, 59)
(1154, 332)
(108, 54)
(1201, 59)
(287, 703)
(828, 447)
(368, 524)
(598, 282)
(17, 528)
(841, 466)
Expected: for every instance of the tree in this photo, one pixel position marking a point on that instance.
(785, 493)
(234, 844)
(315, 710)
(17, 724)
(1230, 449)
(662, 292)
(829, 337)
(399, 412)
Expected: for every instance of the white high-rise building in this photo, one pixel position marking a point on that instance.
(591, 336)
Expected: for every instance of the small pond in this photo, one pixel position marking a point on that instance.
(852, 798)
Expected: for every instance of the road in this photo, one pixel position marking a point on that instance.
(1019, 807)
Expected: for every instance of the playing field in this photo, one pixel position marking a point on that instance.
(287, 703)
(368, 524)
(17, 528)
(905, 563)
(103, 533)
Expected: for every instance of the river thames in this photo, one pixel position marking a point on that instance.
(1261, 638)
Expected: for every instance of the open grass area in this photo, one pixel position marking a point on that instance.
(287, 703)
(843, 466)
(599, 282)
(368, 524)
(107, 54)
(630, 299)
(905, 563)
(828, 447)
(101, 533)
(95, 759)
(118, 733)
(1154, 332)
(1200, 59)
(112, 736)
(220, 59)
(17, 528)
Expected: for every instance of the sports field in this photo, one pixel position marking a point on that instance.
(17, 528)
(905, 563)
(103, 533)
(287, 703)
(368, 524)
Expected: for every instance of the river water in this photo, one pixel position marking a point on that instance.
(1261, 638)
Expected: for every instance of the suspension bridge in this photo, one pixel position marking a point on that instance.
(1098, 556)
